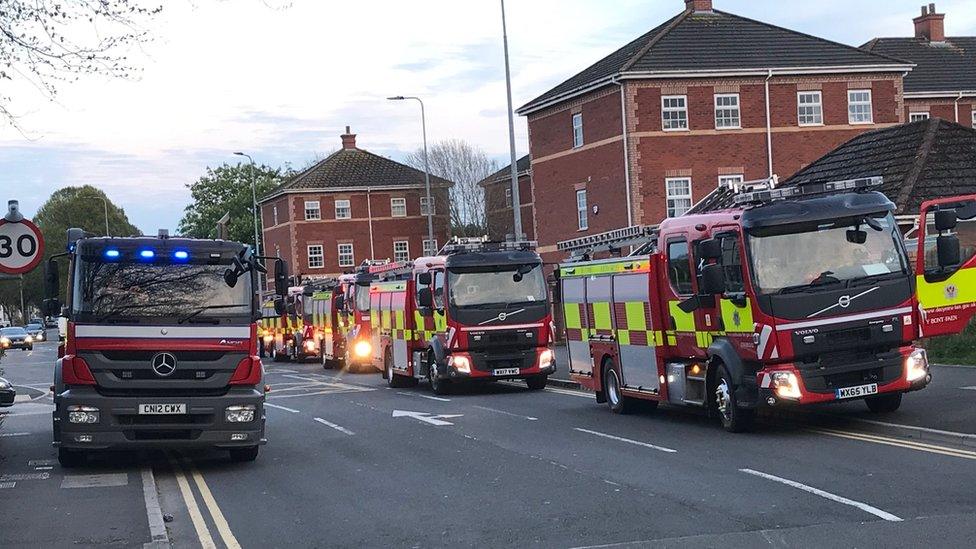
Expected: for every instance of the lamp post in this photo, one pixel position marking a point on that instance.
(430, 202)
(254, 201)
(104, 205)
(516, 199)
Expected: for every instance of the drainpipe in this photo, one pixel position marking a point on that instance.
(769, 127)
(369, 214)
(957, 106)
(623, 122)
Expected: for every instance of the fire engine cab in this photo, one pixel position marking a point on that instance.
(788, 296)
(358, 348)
(479, 311)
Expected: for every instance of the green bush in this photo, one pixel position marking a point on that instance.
(958, 349)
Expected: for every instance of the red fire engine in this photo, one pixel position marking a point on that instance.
(478, 312)
(357, 323)
(792, 296)
(321, 302)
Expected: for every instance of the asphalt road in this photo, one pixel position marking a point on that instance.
(351, 463)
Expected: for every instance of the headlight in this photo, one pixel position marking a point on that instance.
(362, 349)
(242, 413)
(39, 337)
(82, 414)
(268, 338)
(786, 385)
(5, 385)
(5, 341)
(546, 358)
(309, 345)
(460, 363)
(916, 365)
(28, 339)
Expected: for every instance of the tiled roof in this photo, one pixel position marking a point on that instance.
(713, 41)
(505, 174)
(950, 66)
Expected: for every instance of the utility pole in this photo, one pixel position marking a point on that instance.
(516, 203)
(254, 201)
(430, 202)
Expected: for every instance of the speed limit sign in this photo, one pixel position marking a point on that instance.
(21, 246)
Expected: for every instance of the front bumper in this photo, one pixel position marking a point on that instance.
(121, 426)
(478, 371)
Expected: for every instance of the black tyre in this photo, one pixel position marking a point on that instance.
(536, 383)
(733, 418)
(616, 401)
(438, 385)
(884, 404)
(244, 454)
(71, 458)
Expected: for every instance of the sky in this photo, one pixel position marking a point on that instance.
(280, 80)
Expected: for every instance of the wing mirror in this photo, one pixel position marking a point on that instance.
(52, 285)
(945, 220)
(279, 306)
(281, 277)
(425, 298)
(712, 280)
(948, 249)
(424, 279)
(710, 249)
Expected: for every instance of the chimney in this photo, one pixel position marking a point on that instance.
(348, 140)
(930, 25)
(698, 6)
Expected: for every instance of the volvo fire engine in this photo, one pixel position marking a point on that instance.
(323, 321)
(479, 311)
(357, 324)
(161, 345)
(792, 296)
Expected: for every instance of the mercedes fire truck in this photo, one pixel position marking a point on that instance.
(790, 296)
(161, 345)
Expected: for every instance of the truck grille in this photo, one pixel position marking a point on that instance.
(182, 419)
(146, 356)
(162, 434)
(188, 392)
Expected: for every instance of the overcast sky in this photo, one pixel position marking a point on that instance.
(281, 82)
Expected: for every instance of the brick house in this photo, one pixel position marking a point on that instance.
(687, 101)
(352, 206)
(499, 204)
(943, 82)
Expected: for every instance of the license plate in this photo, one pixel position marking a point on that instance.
(505, 372)
(858, 391)
(161, 409)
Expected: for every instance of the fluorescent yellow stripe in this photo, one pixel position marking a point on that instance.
(731, 313)
(958, 289)
(683, 322)
(623, 266)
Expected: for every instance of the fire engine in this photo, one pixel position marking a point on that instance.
(479, 311)
(281, 333)
(322, 320)
(789, 296)
(357, 324)
(161, 345)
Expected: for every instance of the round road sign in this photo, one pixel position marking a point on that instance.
(21, 246)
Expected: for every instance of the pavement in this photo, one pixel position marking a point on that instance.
(352, 463)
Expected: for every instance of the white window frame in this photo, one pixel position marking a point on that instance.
(673, 210)
(398, 204)
(405, 251)
(974, 118)
(508, 197)
(428, 249)
(274, 213)
(343, 209)
(918, 116)
(582, 217)
(318, 255)
(577, 130)
(816, 112)
(730, 178)
(852, 117)
(423, 206)
(346, 258)
(734, 112)
(666, 109)
(313, 212)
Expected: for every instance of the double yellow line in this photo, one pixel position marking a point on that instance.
(908, 444)
(199, 524)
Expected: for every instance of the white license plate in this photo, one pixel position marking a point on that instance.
(859, 391)
(505, 372)
(161, 409)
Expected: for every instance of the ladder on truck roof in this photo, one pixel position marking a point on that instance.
(617, 239)
(392, 271)
(740, 194)
(459, 245)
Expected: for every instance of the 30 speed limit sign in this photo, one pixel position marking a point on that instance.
(21, 246)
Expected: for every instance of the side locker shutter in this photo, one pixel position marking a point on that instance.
(635, 333)
(577, 325)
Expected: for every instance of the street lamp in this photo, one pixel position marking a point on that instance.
(516, 198)
(254, 201)
(104, 204)
(430, 202)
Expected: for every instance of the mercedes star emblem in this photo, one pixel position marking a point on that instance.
(163, 364)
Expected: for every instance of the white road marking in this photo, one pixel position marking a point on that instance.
(218, 517)
(154, 514)
(13, 434)
(339, 428)
(437, 420)
(569, 392)
(627, 440)
(38, 462)
(971, 388)
(45, 468)
(25, 476)
(199, 524)
(968, 436)
(281, 371)
(4, 485)
(826, 495)
(269, 405)
(530, 418)
(22, 398)
(428, 397)
(103, 480)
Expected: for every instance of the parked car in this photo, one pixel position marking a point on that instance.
(51, 322)
(7, 394)
(37, 331)
(16, 337)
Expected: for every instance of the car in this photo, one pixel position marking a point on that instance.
(37, 331)
(16, 337)
(7, 393)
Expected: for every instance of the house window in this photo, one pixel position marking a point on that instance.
(727, 111)
(316, 257)
(577, 130)
(312, 211)
(581, 220)
(859, 107)
(401, 250)
(730, 181)
(346, 257)
(342, 209)
(508, 197)
(398, 207)
(674, 112)
(430, 247)
(918, 116)
(678, 195)
(809, 108)
(974, 118)
(274, 213)
(424, 206)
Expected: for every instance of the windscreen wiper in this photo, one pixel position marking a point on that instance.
(207, 308)
(811, 287)
(857, 281)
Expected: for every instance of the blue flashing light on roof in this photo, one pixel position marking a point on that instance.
(111, 253)
(181, 255)
(147, 254)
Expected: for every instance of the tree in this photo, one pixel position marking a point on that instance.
(465, 164)
(227, 189)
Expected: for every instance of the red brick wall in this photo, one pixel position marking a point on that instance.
(500, 217)
(943, 108)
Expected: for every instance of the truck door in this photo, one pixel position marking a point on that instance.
(680, 326)
(632, 321)
(398, 301)
(577, 325)
(328, 324)
(946, 284)
(731, 315)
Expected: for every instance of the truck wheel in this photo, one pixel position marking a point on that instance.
(244, 454)
(618, 403)
(734, 419)
(536, 383)
(439, 386)
(70, 458)
(884, 404)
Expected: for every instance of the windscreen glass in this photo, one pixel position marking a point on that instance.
(505, 284)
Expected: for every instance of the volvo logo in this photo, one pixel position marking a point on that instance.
(163, 364)
(164, 331)
(844, 301)
(502, 316)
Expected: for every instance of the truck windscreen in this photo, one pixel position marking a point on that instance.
(502, 284)
(105, 290)
(791, 257)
